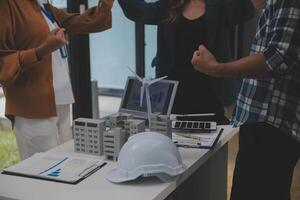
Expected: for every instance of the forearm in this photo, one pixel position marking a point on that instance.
(253, 66)
(13, 63)
(95, 19)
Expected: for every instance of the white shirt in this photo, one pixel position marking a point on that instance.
(41, 2)
(60, 70)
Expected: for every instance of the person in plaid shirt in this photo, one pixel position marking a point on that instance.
(268, 106)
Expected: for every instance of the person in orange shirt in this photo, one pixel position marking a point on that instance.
(34, 70)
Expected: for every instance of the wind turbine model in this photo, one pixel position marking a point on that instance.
(146, 82)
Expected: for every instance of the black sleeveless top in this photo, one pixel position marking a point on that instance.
(195, 93)
(189, 35)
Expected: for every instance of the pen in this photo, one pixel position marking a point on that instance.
(188, 144)
(189, 136)
(88, 168)
(204, 114)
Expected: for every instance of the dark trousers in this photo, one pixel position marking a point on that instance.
(264, 164)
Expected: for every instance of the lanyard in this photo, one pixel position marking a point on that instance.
(62, 50)
(48, 15)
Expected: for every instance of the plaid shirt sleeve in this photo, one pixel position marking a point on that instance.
(283, 51)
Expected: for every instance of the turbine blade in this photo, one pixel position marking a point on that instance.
(137, 76)
(142, 95)
(156, 80)
(148, 101)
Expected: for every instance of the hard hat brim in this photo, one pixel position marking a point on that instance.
(116, 177)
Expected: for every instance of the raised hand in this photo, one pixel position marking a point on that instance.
(55, 40)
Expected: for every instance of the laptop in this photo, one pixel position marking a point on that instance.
(162, 95)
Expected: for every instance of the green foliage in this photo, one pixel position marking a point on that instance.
(5, 125)
(8, 148)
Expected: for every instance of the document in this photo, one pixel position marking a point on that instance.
(197, 140)
(56, 167)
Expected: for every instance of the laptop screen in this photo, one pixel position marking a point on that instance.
(162, 96)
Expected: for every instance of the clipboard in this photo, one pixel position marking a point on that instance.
(53, 180)
(190, 140)
(56, 168)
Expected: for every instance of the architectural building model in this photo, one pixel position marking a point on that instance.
(113, 140)
(161, 124)
(118, 119)
(98, 137)
(134, 126)
(88, 136)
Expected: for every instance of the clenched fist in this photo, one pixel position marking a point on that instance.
(55, 40)
(203, 61)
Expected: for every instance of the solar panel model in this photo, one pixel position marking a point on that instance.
(195, 122)
(194, 125)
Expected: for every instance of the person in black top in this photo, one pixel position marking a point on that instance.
(183, 25)
(195, 93)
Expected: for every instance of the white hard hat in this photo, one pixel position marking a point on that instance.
(147, 154)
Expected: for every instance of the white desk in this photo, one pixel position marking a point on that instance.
(205, 178)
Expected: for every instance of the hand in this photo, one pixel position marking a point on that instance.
(203, 61)
(55, 40)
(259, 4)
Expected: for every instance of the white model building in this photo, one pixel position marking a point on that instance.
(91, 136)
(117, 119)
(122, 125)
(113, 140)
(88, 136)
(134, 126)
(161, 124)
